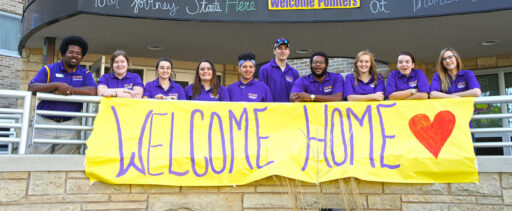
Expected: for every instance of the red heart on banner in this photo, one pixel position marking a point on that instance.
(433, 135)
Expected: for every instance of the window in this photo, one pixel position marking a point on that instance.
(10, 34)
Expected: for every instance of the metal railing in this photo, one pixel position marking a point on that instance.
(493, 100)
(21, 117)
(86, 124)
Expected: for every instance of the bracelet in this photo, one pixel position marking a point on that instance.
(116, 93)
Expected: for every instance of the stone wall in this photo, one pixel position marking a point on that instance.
(72, 191)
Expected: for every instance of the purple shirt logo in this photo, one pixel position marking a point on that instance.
(253, 96)
(461, 85)
(413, 83)
(289, 79)
(328, 89)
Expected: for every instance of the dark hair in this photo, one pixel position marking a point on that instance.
(246, 56)
(196, 88)
(73, 40)
(163, 59)
(405, 53)
(319, 53)
(115, 55)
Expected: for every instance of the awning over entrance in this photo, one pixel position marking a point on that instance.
(221, 29)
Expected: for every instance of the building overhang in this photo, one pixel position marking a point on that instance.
(187, 32)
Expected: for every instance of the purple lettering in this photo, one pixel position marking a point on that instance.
(153, 146)
(170, 151)
(385, 137)
(344, 141)
(238, 122)
(309, 138)
(223, 142)
(122, 170)
(192, 157)
(259, 138)
(367, 112)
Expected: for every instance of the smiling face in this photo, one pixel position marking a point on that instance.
(205, 71)
(164, 70)
(318, 66)
(405, 64)
(450, 61)
(364, 64)
(120, 66)
(247, 70)
(73, 56)
(282, 52)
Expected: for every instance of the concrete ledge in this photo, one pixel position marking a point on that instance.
(42, 163)
(77, 163)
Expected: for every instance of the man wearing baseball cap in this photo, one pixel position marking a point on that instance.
(278, 75)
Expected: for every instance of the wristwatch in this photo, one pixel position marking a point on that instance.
(312, 98)
(412, 91)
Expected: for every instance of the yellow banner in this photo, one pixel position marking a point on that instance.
(187, 143)
(311, 4)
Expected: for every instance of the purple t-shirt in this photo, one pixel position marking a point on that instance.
(399, 82)
(207, 95)
(253, 91)
(279, 82)
(153, 88)
(56, 73)
(129, 81)
(464, 80)
(332, 84)
(362, 88)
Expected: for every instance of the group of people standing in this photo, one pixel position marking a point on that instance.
(278, 82)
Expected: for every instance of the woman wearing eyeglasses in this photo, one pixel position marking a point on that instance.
(451, 80)
(406, 83)
(365, 83)
(205, 86)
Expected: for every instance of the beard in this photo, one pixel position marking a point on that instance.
(319, 75)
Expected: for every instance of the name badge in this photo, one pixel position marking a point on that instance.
(77, 78)
(129, 86)
(59, 75)
(328, 89)
(253, 96)
(289, 79)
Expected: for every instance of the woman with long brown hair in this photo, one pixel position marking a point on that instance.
(205, 86)
(451, 80)
(365, 83)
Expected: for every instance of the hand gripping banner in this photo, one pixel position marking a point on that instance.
(192, 143)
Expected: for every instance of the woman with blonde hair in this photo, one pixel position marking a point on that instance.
(451, 80)
(205, 86)
(365, 83)
(119, 82)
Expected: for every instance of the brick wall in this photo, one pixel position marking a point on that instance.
(474, 64)
(71, 191)
(12, 6)
(337, 65)
(10, 67)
